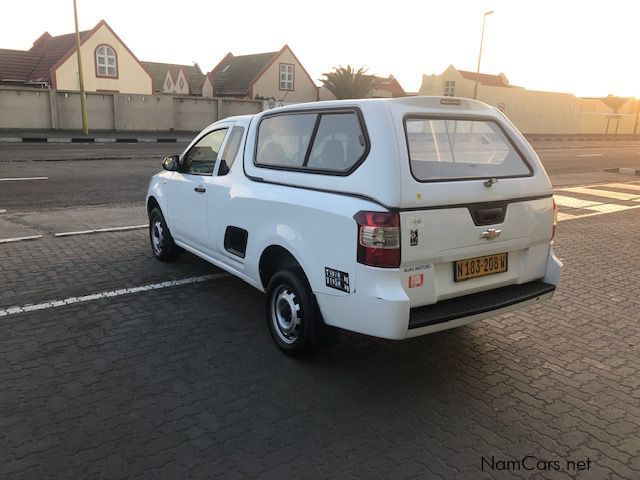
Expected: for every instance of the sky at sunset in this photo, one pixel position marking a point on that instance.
(582, 47)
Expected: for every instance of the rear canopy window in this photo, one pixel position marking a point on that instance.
(461, 149)
(323, 141)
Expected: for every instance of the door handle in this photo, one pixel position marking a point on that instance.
(200, 189)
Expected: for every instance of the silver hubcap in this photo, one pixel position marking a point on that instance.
(286, 314)
(157, 237)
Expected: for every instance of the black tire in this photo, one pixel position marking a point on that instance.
(293, 315)
(162, 245)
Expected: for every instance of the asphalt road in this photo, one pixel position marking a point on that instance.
(115, 365)
(185, 382)
(96, 174)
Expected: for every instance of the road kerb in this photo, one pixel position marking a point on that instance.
(623, 170)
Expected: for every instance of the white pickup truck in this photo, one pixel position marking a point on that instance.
(388, 217)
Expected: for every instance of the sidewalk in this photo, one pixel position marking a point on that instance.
(63, 222)
(110, 136)
(98, 136)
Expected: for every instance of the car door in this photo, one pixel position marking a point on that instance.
(188, 191)
(228, 239)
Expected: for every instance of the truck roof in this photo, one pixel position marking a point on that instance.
(431, 103)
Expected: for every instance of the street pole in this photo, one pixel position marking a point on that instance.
(83, 97)
(635, 128)
(475, 88)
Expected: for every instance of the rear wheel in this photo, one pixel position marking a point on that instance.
(162, 244)
(293, 316)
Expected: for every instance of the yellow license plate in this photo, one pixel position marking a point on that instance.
(479, 266)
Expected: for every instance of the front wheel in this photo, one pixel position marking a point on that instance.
(293, 316)
(160, 237)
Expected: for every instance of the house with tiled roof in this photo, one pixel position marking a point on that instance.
(460, 83)
(387, 87)
(272, 75)
(384, 87)
(108, 65)
(175, 79)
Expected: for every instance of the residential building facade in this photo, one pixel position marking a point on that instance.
(108, 65)
(175, 79)
(384, 87)
(536, 112)
(273, 75)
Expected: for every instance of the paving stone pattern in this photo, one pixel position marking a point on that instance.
(185, 382)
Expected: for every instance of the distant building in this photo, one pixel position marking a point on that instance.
(273, 75)
(385, 87)
(460, 83)
(107, 63)
(176, 79)
(534, 111)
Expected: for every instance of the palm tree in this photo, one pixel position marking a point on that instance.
(346, 82)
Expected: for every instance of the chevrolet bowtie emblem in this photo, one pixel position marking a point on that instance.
(490, 234)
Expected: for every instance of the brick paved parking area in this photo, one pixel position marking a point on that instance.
(185, 382)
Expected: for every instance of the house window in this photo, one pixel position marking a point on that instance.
(286, 76)
(450, 88)
(106, 62)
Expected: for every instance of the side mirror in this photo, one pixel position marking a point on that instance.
(171, 163)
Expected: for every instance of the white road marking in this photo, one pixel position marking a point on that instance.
(595, 191)
(613, 209)
(108, 294)
(17, 179)
(566, 216)
(628, 186)
(590, 155)
(610, 208)
(100, 230)
(571, 202)
(19, 239)
(564, 200)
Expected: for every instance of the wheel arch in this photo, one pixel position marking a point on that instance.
(274, 258)
(151, 204)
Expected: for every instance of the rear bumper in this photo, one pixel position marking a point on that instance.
(392, 318)
(380, 306)
(477, 304)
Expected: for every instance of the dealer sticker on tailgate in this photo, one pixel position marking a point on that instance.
(480, 266)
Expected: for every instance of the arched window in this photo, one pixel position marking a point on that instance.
(106, 62)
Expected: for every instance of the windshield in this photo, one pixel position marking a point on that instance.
(461, 149)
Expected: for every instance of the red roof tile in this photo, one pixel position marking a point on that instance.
(158, 73)
(17, 64)
(52, 49)
(486, 79)
(391, 85)
(34, 65)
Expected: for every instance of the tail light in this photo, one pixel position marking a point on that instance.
(555, 219)
(378, 239)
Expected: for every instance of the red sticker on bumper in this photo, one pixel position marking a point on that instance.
(416, 280)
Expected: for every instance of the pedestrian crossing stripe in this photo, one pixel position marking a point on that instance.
(601, 191)
(607, 204)
(627, 186)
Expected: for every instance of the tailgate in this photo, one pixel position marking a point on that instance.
(459, 250)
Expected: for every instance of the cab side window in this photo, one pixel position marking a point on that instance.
(339, 143)
(325, 141)
(283, 140)
(201, 158)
